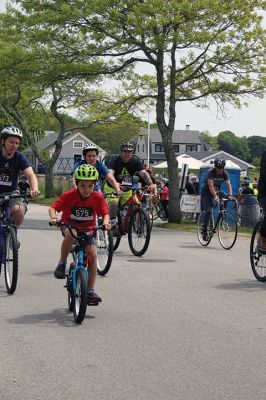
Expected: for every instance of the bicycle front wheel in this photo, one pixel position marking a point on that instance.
(204, 233)
(80, 296)
(11, 260)
(227, 230)
(257, 259)
(139, 232)
(105, 250)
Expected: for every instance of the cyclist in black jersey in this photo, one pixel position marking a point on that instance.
(123, 168)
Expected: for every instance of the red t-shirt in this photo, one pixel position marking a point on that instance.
(80, 213)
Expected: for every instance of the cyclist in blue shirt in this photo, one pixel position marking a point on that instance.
(12, 162)
(90, 153)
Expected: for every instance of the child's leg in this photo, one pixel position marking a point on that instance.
(66, 246)
(91, 251)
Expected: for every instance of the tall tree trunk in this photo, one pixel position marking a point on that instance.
(49, 185)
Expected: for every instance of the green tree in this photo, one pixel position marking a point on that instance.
(195, 51)
(257, 144)
(209, 139)
(237, 146)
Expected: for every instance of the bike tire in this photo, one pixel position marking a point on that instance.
(11, 260)
(70, 295)
(117, 239)
(139, 231)
(200, 234)
(80, 296)
(257, 259)
(227, 230)
(105, 251)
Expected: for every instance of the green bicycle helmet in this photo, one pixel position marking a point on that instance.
(86, 172)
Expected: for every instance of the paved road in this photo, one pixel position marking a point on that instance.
(181, 323)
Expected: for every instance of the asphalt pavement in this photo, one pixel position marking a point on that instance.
(182, 322)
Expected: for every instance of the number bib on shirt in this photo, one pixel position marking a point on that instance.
(82, 213)
(5, 178)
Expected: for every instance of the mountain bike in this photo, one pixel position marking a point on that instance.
(144, 195)
(105, 248)
(225, 224)
(9, 242)
(77, 277)
(257, 255)
(133, 220)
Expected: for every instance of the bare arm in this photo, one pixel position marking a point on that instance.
(28, 172)
(212, 190)
(229, 188)
(112, 181)
(144, 175)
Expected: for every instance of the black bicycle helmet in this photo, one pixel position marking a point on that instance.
(127, 146)
(219, 162)
(88, 147)
(10, 130)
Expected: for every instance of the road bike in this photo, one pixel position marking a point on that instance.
(8, 241)
(133, 220)
(257, 255)
(105, 248)
(78, 275)
(225, 224)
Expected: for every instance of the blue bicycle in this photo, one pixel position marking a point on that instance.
(9, 242)
(77, 278)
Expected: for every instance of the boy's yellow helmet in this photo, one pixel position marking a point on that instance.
(86, 172)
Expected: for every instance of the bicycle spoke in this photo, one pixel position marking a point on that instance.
(227, 230)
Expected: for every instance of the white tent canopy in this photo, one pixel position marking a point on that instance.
(192, 162)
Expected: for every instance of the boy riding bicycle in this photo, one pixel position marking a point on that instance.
(80, 208)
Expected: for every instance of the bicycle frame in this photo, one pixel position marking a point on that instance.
(130, 203)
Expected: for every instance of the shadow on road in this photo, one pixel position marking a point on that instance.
(44, 273)
(193, 246)
(246, 285)
(57, 316)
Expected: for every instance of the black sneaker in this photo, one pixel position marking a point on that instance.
(93, 299)
(59, 272)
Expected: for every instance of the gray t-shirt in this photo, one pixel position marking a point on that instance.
(218, 179)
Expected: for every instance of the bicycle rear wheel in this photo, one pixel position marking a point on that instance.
(227, 230)
(80, 296)
(204, 234)
(257, 259)
(139, 232)
(105, 250)
(11, 260)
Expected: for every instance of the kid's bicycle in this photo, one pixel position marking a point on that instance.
(77, 277)
(225, 225)
(257, 255)
(9, 242)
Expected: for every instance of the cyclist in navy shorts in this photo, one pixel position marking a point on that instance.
(214, 179)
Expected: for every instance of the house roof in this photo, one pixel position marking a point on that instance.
(179, 136)
(49, 140)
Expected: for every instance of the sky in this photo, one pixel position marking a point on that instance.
(249, 121)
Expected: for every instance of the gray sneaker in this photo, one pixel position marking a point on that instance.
(59, 272)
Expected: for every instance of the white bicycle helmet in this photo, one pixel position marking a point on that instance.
(88, 147)
(127, 146)
(11, 130)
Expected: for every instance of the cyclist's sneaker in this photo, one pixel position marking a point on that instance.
(261, 244)
(59, 272)
(93, 299)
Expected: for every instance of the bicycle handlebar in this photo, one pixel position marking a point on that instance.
(7, 196)
(78, 236)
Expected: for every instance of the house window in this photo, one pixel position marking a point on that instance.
(191, 147)
(143, 148)
(138, 148)
(78, 144)
(176, 148)
(159, 148)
